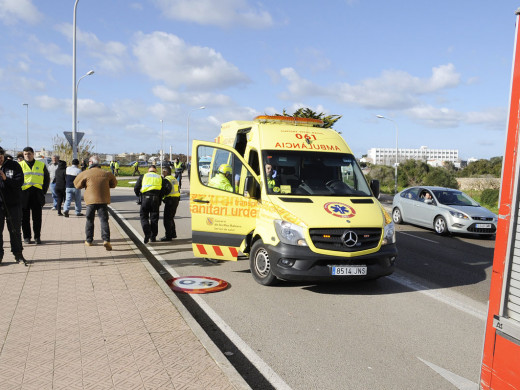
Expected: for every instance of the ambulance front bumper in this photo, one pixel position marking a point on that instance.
(289, 262)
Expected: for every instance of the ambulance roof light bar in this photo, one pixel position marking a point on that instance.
(289, 119)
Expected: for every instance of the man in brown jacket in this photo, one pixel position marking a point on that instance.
(97, 184)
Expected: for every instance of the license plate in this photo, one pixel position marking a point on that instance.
(353, 271)
(483, 226)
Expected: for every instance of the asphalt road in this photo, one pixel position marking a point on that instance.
(395, 333)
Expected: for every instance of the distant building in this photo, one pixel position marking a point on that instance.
(386, 156)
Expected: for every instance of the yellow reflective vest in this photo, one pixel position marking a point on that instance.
(32, 176)
(151, 181)
(221, 182)
(175, 187)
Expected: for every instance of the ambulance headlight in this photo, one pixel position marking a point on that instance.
(289, 233)
(389, 234)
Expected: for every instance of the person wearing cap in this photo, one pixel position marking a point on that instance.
(72, 192)
(152, 187)
(222, 180)
(171, 202)
(11, 180)
(97, 184)
(35, 186)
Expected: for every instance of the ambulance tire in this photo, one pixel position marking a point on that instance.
(260, 265)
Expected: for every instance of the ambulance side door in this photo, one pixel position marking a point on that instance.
(220, 220)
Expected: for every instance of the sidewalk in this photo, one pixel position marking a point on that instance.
(84, 318)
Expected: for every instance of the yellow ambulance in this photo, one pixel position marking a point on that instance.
(289, 195)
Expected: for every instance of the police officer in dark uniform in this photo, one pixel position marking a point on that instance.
(152, 187)
(11, 181)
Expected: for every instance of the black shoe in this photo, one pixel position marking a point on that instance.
(79, 214)
(153, 239)
(146, 239)
(19, 257)
(66, 214)
(174, 236)
(37, 241)
(27, 240)
(165, 239)
(60, 213)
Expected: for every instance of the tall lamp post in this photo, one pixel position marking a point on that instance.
(27, 121)
(162, 148)
(188, 133)
(74, 91)
(396, 147)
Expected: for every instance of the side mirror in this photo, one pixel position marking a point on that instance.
(374, 186)
(252, 188)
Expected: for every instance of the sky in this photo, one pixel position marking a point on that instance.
(440, 71)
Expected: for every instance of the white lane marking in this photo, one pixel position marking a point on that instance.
(452, 298)
(459, 382)
(420, 238)
(273, 378)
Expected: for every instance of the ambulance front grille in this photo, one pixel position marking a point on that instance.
(342, 240)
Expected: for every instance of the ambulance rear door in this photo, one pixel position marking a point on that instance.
(221, 220)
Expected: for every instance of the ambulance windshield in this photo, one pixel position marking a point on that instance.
(313, 174)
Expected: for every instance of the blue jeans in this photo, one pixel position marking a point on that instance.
(72, 193)
(54, 196)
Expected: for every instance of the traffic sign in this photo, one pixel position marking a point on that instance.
(197, 284)
(68, 135)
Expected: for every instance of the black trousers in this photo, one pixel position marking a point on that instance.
(14, 228)
(170, 208)
(34, 207)
(90, 214)
(149, 214)
(60, 195)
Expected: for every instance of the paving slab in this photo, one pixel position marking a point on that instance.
(82, 317)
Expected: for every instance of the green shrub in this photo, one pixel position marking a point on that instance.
(489, 197)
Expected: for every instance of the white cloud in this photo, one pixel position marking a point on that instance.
(492, 118)
(168, 58)
(12, 11)
(50, 103)
(111, 56)
(392, 90)
(435, 117)
(191, 99)
(222, 13)
(50, 51)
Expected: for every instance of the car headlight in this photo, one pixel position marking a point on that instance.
(389, 234)
(289, 233)
(458, 214)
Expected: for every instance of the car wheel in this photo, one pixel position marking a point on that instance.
(440, 226)
(397, 216)
(260, 265)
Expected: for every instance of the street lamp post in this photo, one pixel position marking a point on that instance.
(396, 146)
(74, 133)
(188, 133)
(74, 89)
(27, 121)
(162, 148)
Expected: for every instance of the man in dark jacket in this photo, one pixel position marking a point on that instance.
(35, 186)
(11, 180)
(59, 188)
(152, 187)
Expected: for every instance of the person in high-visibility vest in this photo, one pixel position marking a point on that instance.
(171, 202)
(35, 185)
(273, 183)
(136, 168)
(179, 168)
(152, 187)
(222, 180)
(116, 167)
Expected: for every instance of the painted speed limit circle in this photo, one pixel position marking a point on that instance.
(197, 284)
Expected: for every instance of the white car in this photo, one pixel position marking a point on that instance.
(443, 209)
(204, 170)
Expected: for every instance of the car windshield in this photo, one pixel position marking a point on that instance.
(313, 173)
(454, 198)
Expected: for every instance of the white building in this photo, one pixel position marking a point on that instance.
(386, 156)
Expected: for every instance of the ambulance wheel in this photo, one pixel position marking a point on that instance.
(260, 265)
